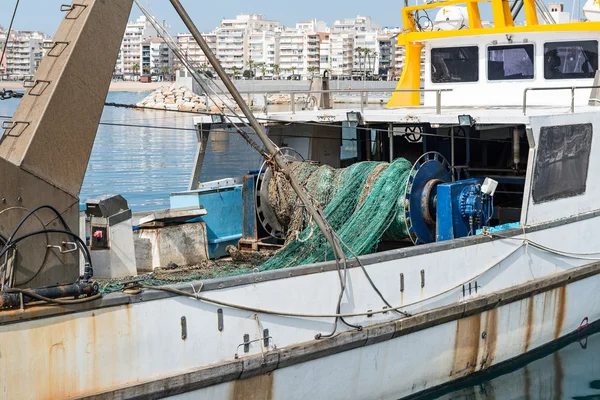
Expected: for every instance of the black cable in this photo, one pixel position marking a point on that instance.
(44, 231)
(30, 213)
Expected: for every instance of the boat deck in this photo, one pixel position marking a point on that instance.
(410, 115)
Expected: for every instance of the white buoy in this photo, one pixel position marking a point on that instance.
(591, 10)
(451, 18)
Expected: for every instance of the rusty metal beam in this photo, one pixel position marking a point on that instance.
(45, 148)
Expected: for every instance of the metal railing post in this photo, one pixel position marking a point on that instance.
(266, 104)
(293, 102)
(362, 104)
(525, 101)
(572, 99)
(438, 102)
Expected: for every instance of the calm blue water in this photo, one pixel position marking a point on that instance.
(146, 164)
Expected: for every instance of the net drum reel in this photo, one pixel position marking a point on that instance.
(264, 211)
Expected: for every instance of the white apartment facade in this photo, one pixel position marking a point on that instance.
(24, 52)
(129, 61)
(233, 38)
(191, 49)
(157, 59)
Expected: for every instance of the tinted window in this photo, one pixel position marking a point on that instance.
(562, 162)
(510, 62)
(455, 64)
(570, 60)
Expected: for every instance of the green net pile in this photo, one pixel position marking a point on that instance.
(363, 203)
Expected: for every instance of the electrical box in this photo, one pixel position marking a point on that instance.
(111, 236)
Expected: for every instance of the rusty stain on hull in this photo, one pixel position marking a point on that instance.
(256, 388)
(491, 337)
(561, 300)
(529, 326)
(466, 346)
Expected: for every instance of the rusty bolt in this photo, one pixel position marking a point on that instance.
(484, 335)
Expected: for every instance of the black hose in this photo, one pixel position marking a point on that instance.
(43, 231)
(36, 296)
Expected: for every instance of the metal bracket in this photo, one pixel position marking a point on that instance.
(32, 85)
(422, 278)
(54, 46)
(266, 338)
(68, 8)
(183, 328)
(220, 319)
(246, 342)
(65, 247)
(8, 126)
(401, 282)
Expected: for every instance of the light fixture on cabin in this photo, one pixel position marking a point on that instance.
(353, 117)
(465, 120)
(217, 118)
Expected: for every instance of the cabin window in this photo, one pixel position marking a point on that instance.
(455, 64)
(562, 162)
(571, 60)
(510, 62)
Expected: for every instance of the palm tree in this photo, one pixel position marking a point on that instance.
(236, 72)
(203, 67)
(146, 69)
(251, 64)
(135, 68)
(293, 71)
(312, 69)
(368, 58)
(276, 70)
(359, 51)
(263, 69)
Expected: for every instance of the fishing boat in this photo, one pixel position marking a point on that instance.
(452, 236)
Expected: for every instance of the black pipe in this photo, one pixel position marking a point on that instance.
(10, 298)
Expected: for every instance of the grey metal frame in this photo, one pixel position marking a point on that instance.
(571, 88)
(364, 95)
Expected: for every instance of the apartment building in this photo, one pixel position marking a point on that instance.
(264, 51)
(387, 56)
(24, 52)
(157, 58)
(324, 52)
(341, 49)
(233, 38)
(129, 61)
(195, 55)
(293, 53)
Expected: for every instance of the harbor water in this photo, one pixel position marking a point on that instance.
(146, 155)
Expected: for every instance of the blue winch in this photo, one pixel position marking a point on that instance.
(437, 209)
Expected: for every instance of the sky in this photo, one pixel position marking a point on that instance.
(45, 15)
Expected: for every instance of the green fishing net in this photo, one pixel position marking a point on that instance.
(362, 203)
